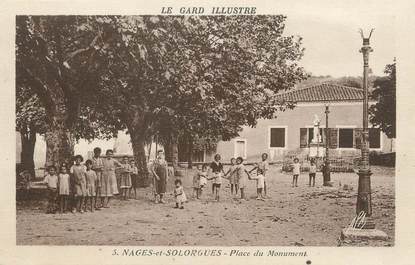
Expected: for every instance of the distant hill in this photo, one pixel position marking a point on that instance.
(352, 81)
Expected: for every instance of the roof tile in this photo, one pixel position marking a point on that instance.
(323, 93)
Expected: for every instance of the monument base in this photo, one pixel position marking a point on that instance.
(363, 234)
(316, 150)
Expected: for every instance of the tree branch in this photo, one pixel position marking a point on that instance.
(41, 89)
(83, 50)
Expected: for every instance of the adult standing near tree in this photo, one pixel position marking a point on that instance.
(160, 173)
(109, 180)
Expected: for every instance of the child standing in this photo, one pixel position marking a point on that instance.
(312, 173)
(91, 179)
(232, 176)
(134, 178)
(125, 183)
(202, 179)
(179, 194)
(64, 186)
(97, 166)
(296, 171)
(260, 181)
(264, 166)
(217, 170)
(241, 174)
(78, 172)
(51, 181)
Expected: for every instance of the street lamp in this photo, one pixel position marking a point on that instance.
(363, 226)
(364, 196)
(326, 171)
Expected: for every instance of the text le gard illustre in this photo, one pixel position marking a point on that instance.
(168, 10)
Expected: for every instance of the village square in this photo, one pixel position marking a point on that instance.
(188, 131)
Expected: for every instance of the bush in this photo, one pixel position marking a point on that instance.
(382, 159)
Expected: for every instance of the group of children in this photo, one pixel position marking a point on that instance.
(297, 171)
(89, 186)
(237, 175)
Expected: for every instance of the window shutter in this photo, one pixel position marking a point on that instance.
(358, 138)
(303, 137)
(333, 138)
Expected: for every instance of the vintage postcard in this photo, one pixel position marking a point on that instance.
(225, 132)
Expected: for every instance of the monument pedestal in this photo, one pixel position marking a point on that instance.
(316, 150)
(355, 234)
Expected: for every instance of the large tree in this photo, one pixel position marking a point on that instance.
(203, 77)
(55, 64)
(383, 113)
(195, 76)
(227, 75)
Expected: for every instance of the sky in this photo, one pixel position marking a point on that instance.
(332, 41)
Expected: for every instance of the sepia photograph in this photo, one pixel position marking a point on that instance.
(204, 130)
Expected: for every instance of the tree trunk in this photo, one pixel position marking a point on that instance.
(149, 149)
(59, 145)
(168, 151)
(138, 144)
(28, 139)
(175, 152)
(190, 152)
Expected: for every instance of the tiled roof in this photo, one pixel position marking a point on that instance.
(323, 93)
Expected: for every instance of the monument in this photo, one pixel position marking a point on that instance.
(316, 149)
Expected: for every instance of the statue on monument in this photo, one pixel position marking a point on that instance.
(316, 135)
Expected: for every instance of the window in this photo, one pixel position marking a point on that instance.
(374, 138)
(345, 138)
(198, 156)
(240, 148)
(277, 138)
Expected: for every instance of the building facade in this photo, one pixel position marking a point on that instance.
(291, 132)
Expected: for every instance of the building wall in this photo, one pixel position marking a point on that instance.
(85, 148)
(342, 115)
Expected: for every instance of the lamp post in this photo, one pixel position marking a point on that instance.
(326, 171)
(363, 226)
(364, 196)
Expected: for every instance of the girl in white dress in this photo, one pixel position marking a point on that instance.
(296, 171)
(91, 179)
(203, 175)
(78, 172)
(179, 194)
(64, 186)
(242, 176)
(260, 183)
(233, 180)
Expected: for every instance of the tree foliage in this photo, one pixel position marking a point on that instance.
(203, 77)
(226, 75)
(383, 113)
(55, 67)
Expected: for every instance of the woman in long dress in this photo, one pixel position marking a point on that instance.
(109, 180)
(160, 173)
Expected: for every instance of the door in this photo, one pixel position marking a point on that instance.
(240, 148)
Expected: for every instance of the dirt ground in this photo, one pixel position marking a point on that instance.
(309, 216)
